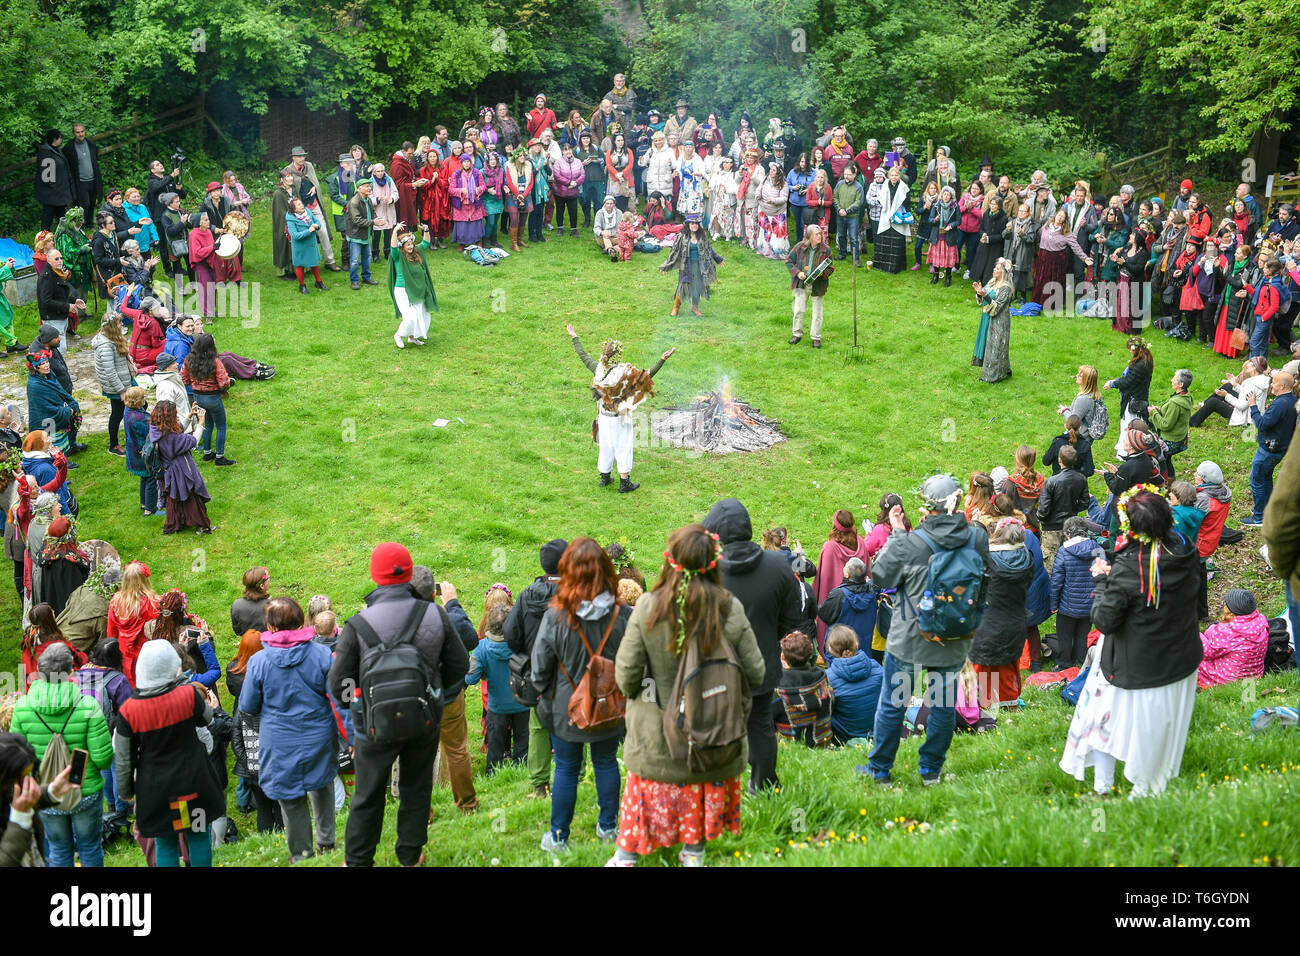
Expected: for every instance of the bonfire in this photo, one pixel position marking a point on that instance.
(718, 423)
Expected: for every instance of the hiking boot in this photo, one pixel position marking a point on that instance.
(356, 287)
(322, 286)
(795, 340)
(934, 278)
(540, 792)
(370, 282)
(929, 779)
(606, 478)
(607, 835)
(627, 484)
(209, 455)
(223, 462)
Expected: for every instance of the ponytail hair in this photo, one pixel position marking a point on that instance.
(1074, 426)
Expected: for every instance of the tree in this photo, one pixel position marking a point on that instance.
(1224, 69)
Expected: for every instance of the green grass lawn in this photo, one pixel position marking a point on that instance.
(338, 452)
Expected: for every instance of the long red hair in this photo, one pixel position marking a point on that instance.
(249, 645)
(585, 572)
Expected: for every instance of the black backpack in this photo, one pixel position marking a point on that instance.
(1279, 657)
(398, 701)
(522, 687)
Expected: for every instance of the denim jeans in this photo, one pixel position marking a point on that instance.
(568, 769)
(80, 831)
(895, 692)
(113, 803)
(969, 242)
(796, 218)
(1261, 480)
(1259, 338)
(359, 255)
(148, 494)
(846, 230)
(215, 416)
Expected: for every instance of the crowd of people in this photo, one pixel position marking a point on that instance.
(942, 601)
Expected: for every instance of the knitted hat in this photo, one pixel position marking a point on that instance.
(551, 554)
(58, 527)
(47, 334)
(34, 359)
(390, 563)
(1240, 601)
(165, 360)
(157, 665)
(999, 475)
(1211, 474)
(1185, 184)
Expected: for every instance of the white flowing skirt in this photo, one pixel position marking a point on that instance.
(415, 318)
(1146, 729)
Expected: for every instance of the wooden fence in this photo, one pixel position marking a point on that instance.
(133, 134)
(1149, 174)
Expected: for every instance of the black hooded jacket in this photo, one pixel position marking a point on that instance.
(761, 580)
(525, 619)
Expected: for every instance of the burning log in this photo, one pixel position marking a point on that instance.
(718, 423)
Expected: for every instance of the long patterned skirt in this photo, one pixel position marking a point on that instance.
(722, 221)
(1123, 321)
(997, 353)
(656, 814)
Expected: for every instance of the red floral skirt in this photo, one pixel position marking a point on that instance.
(656, 814)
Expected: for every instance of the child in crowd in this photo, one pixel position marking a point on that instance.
(628, 234)
(1235, 646)
(326, 627)
(802, 708)
(855, 681)
(629, 592)
(1187, 517)
(1028, 483)
(1072, 593)
(507, 719)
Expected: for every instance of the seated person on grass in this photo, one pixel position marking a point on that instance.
(855, 681)
(802, 708)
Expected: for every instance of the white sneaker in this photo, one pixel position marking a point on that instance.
(615, 861)
(398, 339)
(686, 858)
(966, 274)
(552, 845)
(416, 340)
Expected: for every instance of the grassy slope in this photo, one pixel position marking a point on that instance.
(338, 453)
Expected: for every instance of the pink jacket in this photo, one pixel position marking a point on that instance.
(568, 175)
(972, 208)
(830, 571)
(1234, 650)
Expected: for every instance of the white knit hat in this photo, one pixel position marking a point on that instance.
(157, 665)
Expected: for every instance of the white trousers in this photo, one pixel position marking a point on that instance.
(801, 299)
(415, 318)
(616, 437)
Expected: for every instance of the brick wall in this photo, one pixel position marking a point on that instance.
(287, 124)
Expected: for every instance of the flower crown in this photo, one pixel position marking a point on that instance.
(499, 587)
(1122, 509)
(684, 580)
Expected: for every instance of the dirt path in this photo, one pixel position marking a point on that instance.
(81, 366)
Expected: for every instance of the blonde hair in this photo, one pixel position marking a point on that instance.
(134, 593)
(325, 623)
(318, 605)
(1089, 384)
(629, 592)
(134, 397)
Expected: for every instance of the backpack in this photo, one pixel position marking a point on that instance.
(522, 688)
(398, 701)
(57, 758)
(707, 717)
(1279, 657)
(596, 702)
(151, 458)
(955, 591)
(94, 684)
(1099, 422)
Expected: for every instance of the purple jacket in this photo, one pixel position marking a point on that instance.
(181, 476)
(568, 175)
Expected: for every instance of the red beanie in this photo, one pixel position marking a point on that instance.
(390, 563)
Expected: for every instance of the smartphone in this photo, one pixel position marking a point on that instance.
(437, 589)
(78, 773)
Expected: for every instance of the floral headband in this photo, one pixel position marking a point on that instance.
(684, 580)
(499, 587)
(1148, 583)
(144, 568)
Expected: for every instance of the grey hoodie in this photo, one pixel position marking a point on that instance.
(904, 563)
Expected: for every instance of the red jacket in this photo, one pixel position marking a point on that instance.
(1207, 539)
(867, 164)
(539, 120)
(1199, 223)
(147, 339)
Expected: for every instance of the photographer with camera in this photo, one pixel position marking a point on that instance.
(159, 184)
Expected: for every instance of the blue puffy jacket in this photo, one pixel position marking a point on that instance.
(41, 467)
(1072, 577)
(1038, 602)
(492, 661)
(855, 681)
(285, 684)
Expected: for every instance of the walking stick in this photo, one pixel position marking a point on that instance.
(855, 353)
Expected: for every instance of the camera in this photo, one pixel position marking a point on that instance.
(178, 156)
